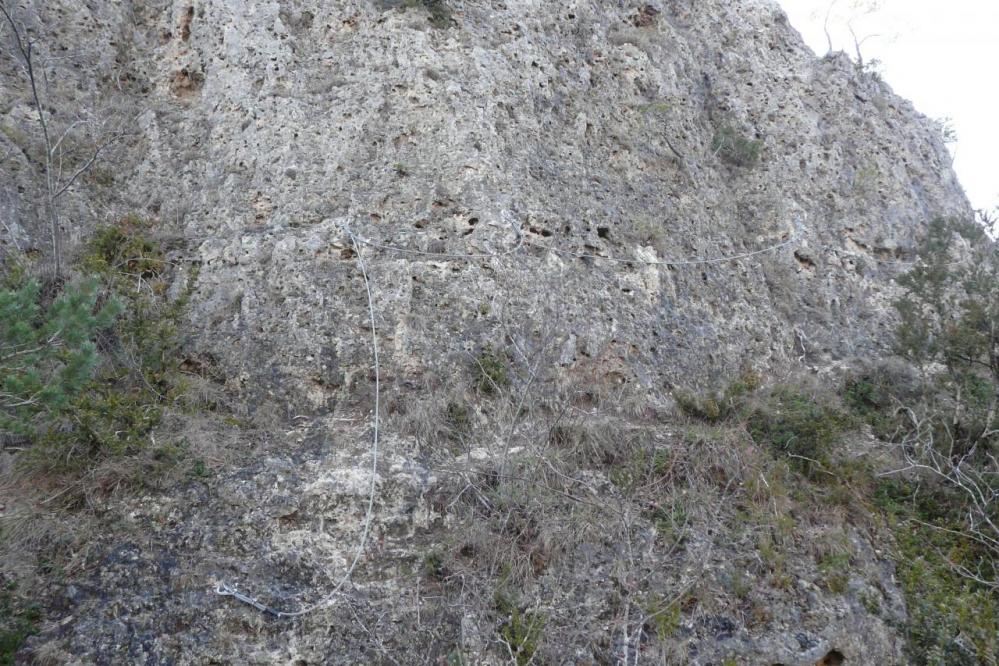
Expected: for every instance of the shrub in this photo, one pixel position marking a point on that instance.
(714, 406)
(874, 395)
(521, 631)
(123, 250)
(951, 620)
(91, 374)
(945, 507)
(47, 353)
(703, 407)
(18, 621)
(795, 425)
(949, 318)
(732, 147)
(835, 570)
(492, 371)
(433, 566)
(459, 419)
(664, 616)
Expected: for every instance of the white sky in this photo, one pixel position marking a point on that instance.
(944, 56)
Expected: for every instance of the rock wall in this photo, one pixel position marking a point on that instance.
(589, 129)
(664, 192)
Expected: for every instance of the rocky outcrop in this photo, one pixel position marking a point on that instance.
(662, 192)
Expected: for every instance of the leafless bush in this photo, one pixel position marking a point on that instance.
(579, 510)
(73, 140)
(929, 446)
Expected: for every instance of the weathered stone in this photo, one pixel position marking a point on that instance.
(560, 163)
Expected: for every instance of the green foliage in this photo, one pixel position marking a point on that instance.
(439, 11)
(522, 630)
(456, 658)
(664, 617)
(18, 620)
(493, 373)
(950, 623)
(75, 399)
(732, 147)
(929, 291)
(871, 601)
(951, 619)
(715, 406)
(47, 353)
(123, 251)
(139, 379)
(795, 425)
(704, 407)
(949, 328)
(459, 419)
(949, 318)
(738, 584)
(433, 566)
(835, 570)
(865, 396)
(872, 397)
(670, 519)
(655, 107)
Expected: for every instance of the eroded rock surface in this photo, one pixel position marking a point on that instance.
(579, 176)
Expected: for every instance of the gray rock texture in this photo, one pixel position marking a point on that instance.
(661, 193)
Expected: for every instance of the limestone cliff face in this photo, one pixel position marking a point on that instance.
(598, 129)
(590, 128)
(663, 192)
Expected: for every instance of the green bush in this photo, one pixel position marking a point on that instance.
(124, 251)
(795, 425)
(704, 407)
(47, 353)
(835, 570)
(949, 329)
(492, 371)
(18, 621)
(91, 374)
(949, 318)
(522, 630)
(951, 619)
(458, 417)
(732, 147)
(715, 406)
(873, 396)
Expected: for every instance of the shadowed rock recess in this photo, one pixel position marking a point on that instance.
(566, 212)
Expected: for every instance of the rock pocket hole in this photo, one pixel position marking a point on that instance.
(185, 82)
(603, 232)
(185, 24)
(805, 261)
(832, 658)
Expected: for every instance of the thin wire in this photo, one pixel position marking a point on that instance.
(444, 255)
(505, 215)
(645, 262)
(226, 590)
(668, 262)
